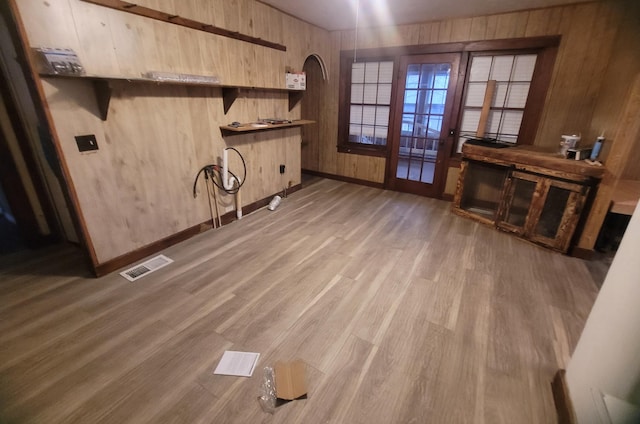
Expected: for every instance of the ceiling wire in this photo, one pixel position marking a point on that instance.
(355, 44)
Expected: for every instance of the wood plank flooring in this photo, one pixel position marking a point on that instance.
(403, 313)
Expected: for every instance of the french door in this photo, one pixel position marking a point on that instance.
(422, 131)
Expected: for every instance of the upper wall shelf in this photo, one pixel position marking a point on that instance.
(185, 22)
(229, 92)
(253, 127)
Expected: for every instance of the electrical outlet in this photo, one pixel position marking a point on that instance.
(86, 143)
(282, 169)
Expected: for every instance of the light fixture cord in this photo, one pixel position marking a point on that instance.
(355, 45)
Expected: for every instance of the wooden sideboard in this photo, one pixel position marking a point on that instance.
(534, 194)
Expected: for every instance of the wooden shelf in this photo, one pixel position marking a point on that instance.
(230, 93)
(248, 127)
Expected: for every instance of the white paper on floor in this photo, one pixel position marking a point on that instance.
(240, 364)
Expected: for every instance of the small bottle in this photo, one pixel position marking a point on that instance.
(597, 146)
(274, 202)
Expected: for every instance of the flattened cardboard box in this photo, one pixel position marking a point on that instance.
(290, 380)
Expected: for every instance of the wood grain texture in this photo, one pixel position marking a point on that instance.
(401, 311)
(135, 190)
(584, 96)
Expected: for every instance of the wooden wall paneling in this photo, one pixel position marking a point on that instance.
(625, 140)
(68, 103)
(596, 61)
(49, 24)
(567, 87)
(424, 36)
(444, 31)
(622, 66)
(461, 30)
(156, 136)
(188, 51)
(554, 24)
(127, 35)
(329, 115)
(538, 22)
(511, 25)
(492, 26)
(478, 28)
(405, 34)
(171, 50)
(97, 53)
(451, 181)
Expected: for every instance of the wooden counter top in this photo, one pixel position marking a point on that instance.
(534, 159)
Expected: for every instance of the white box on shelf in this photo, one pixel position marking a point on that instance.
(296, 80)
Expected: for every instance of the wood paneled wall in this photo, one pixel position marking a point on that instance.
(136, 189)
(581, 78)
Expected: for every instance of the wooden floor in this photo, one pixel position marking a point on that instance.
(403, 313)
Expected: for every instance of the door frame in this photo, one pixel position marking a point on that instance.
(452, 108)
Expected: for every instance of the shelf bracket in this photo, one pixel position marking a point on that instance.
(294, 98)
(102, 91)
(229, 95)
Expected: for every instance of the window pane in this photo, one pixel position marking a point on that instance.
(438, 101)
(386, 72)
(355, 116)
(442, 77)
(370, 99)
(357, 73)
(524, 66)
(435, 126)
(513, 74)
(382, 115)
(367, 134)
(381, 132)
(475, 94)
(407, 124)
(384, 94)
(470, 121)
(500, 95)
(427, 75)
(501, 69)
(421, 127)
(413, 76)
(493, 122)
(357, 92)
(517, 96)
(369, 115)
(480, 68)
(511, 122)
(410, 99)
(370, 93)
(371, 72)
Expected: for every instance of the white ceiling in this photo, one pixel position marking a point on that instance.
(341, 14)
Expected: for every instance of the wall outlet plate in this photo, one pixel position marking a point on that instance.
(86, 143)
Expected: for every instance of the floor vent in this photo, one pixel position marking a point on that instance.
(146, 268)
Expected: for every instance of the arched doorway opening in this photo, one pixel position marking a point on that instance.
(312, 107)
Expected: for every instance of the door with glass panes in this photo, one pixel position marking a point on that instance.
(422, 126)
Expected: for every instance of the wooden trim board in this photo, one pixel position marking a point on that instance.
(189, 23)
(562, 400)
(342, 178)
(128, 258)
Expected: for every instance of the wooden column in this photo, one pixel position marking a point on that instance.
(622, 144)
